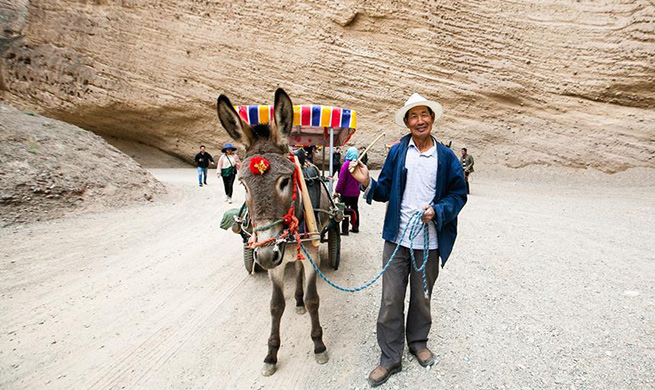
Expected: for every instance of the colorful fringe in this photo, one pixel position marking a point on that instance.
(306, 115)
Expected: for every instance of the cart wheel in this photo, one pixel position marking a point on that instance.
(249, 260)
(334, 247)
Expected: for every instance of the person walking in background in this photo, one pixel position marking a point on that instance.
(467, 165)
(300, 153)
(336, 161)
(348, 187)
(202, 160)
(228, 165)
(309, 153)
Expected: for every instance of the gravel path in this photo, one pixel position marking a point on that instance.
(550, 287)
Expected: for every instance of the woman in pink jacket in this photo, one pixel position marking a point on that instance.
(348, 187)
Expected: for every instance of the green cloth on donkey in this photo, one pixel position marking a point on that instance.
(228, 218)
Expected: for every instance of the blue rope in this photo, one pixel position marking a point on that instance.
(415, 226)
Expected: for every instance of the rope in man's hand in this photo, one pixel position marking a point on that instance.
(415, 226)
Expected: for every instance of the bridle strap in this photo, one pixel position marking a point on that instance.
(289, 220)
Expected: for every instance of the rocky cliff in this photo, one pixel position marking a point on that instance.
(49, 169)
(550, 82)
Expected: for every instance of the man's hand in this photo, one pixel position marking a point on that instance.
(360, 172)
(428, 215)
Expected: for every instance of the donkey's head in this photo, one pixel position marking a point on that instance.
(269, 192)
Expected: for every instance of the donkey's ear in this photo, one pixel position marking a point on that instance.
(236, 127)
(283, 113)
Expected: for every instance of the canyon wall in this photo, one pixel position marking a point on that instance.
(548, 82)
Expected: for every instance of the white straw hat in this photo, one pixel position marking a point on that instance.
(417, 100)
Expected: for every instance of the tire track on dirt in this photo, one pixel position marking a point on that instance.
(129, 272)
(138, 366)
(75, 267)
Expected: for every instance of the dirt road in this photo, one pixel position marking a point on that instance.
(550, 286)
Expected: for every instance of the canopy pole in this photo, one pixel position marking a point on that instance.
(323, 164)
(331, 159)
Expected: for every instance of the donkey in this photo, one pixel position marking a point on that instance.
(269, 194)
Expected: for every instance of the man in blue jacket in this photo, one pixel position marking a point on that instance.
(418, 174)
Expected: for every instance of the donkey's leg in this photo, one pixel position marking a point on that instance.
(300, 303)
(312, 304)
(277, 308)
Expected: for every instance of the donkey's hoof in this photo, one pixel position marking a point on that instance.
(301, 310)
(322, 358)
(268, 370)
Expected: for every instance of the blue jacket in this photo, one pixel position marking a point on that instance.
(448, 200)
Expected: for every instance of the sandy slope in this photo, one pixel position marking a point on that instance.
(550, 286)
(49, 169)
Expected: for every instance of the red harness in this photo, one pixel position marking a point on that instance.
(289, 219)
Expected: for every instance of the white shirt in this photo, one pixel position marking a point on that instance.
(420, 188)
(226, 161)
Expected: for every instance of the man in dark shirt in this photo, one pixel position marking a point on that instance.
(202, 160)
(336, 160)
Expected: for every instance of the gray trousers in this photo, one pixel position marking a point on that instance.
(391, 329)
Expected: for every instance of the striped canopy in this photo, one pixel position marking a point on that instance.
(311, 122)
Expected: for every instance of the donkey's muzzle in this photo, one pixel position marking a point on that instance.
(269, 257)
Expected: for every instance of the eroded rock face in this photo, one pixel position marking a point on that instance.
(531, 82)
(49, 169)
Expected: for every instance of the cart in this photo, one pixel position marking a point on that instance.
(313, 125)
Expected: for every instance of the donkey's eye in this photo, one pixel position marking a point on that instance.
(284, 183)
